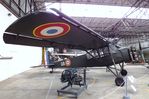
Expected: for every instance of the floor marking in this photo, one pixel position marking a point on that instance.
(93, 82)
(50, 87)
(114, 90)
(59, 97)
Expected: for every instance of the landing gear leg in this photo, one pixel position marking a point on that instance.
(51, 70)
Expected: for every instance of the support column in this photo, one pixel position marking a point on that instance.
(43, 56)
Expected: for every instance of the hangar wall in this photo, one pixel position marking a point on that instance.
(134, 41)
(23, 57)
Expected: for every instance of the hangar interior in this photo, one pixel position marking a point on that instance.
(129, 29)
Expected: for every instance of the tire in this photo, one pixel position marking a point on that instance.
(119, 81)
(123, 72)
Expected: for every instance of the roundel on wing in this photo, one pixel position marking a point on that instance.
(51, 30)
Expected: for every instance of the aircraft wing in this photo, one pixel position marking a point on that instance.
(52, 29)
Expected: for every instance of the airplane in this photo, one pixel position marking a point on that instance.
(5, 57)
(140, 54)
(57, 30)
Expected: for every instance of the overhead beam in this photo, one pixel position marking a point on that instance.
(128, 3)
(19, 7)
(123, 34)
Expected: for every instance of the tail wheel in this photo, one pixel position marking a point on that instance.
(119, 81)
(123, 72)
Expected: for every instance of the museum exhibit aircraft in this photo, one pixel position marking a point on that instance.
(141, 54)
(57, 30)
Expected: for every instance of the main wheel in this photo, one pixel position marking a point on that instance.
(119, 81)
(51, 72)
(123, 72)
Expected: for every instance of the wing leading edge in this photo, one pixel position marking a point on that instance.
(46, 29)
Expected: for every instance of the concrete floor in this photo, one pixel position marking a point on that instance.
(38, 83)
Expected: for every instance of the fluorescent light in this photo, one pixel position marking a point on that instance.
(102, 11)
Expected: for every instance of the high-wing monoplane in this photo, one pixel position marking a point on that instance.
(55, 29)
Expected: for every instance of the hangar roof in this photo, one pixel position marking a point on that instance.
(130, 3)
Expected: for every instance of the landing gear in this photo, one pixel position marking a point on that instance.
(52, 68)
(119, 74)
(51, 71)
(119, 81)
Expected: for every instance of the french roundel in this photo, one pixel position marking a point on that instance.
(67, 62)
(51, 30)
